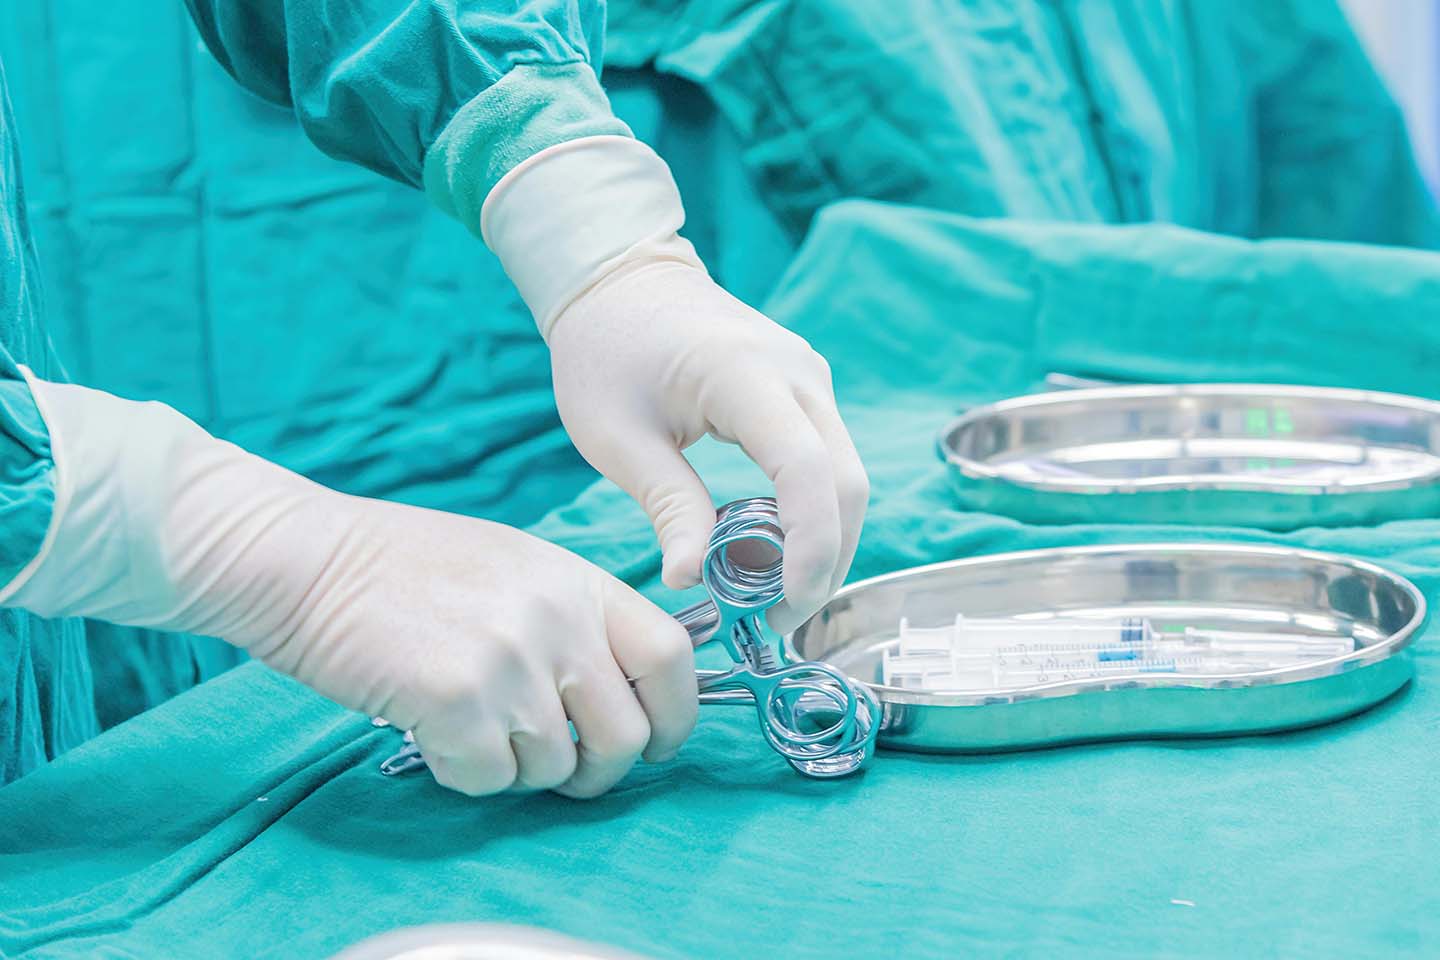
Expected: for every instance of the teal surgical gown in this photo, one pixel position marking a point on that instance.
(441, 96)
(45, 694)
(1259, 118)
(1251, 118)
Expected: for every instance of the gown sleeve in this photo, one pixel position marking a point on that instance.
(1335, 158)
(447, 96)
(27, 476)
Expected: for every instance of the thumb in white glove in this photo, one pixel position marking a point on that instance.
(649, 355)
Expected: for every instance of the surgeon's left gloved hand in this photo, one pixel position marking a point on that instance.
(649, 354)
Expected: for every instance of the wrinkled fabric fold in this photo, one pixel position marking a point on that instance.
(1026, 854)
(46, 687)
(445, 95)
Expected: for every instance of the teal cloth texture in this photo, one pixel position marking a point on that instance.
(1225, 115)
(209, 819)
(46, 688)
(305, 308)
(962, 197)
(320, 316)
(448, 94)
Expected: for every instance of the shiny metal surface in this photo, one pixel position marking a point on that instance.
(811, 714)
(1218, 586)
(1252, 454)
(477, 941)
(822, 723)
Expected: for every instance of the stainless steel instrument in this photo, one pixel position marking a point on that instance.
(811, 714)
(1278, 457)
(820, 721)
(1209, 585)
(477, 941)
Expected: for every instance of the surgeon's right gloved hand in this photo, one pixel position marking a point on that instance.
(481, 639)
(649, 354)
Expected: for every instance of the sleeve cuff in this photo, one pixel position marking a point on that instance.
(568, 216)
(532, 107)
(26, 525)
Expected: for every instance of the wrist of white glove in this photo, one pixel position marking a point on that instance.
(649, 355)
(159, 524)
(571, 215)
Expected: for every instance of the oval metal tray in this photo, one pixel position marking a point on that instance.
(1248, 454)
(1217, 586)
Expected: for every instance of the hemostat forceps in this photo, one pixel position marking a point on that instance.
(823, 723)
(811, 714)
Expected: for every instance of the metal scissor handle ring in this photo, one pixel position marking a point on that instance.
(856, 752)
(800, 689)
(790, 687)
(744, 589)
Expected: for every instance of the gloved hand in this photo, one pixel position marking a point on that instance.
(478, 637)
(649, 355)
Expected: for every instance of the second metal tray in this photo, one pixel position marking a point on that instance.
(1249, 454)
(1216, 586)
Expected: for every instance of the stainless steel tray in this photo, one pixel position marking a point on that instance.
(1250, 454)
(1221, 586)
(477, 941)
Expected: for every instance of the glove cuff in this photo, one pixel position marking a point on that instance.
(152, 517)
(60, 487)
(571, 214)
(84, 562)
(159, 524)
(532, 107)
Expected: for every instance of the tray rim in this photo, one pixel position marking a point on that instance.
(1393, 645)
(982, 471)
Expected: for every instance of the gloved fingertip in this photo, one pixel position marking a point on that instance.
(681, 568)
(662, 756)
(804, 600)
(806, 577)
(577, 791)
(782, 618)
(677, 579)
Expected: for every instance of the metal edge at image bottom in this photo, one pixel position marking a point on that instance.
(477, 941)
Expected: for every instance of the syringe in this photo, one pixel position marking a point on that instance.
(1125, 638)
(937, 674)
(986, 634)
(975, 652)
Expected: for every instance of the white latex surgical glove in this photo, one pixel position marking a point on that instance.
(649, 354)
(483, 640)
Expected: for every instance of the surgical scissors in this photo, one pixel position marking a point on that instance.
(823, 723)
